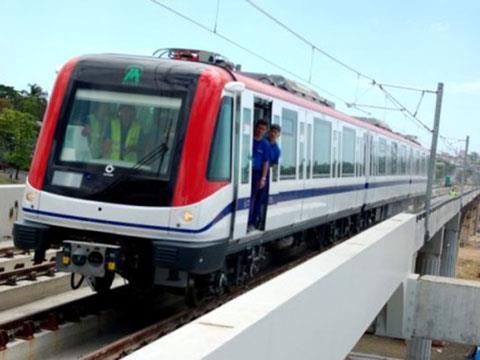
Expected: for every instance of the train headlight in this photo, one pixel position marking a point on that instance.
(187, 216)
(30, 196)
(65, 260)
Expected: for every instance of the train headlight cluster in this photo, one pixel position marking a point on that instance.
(187, 216)
(30, 196)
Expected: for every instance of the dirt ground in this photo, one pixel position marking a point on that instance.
(468, 267)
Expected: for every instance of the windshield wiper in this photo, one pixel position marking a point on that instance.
(160, 150)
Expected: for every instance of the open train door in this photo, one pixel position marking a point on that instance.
(242, 164)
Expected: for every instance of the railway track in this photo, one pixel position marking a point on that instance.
(29, 273)
(10, 251)
(152, 315)
(138, 339)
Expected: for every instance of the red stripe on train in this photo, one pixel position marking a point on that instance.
(50, 120)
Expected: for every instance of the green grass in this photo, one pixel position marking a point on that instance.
(4, 179)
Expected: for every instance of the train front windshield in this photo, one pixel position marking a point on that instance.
(121, 130)
(116, 147)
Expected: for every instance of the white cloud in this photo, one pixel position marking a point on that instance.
(467, 87)
(440, 26)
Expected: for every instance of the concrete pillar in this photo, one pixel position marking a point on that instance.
(464, 228)
(429, 256)
(477, 214)
(474, 223)
(419, 349)
(450, 247)
(428, 263)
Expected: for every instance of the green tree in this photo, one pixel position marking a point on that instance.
(18, 133)
(33, 101)
(10, 94)
(5, 104)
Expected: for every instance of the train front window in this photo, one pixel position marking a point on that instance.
(121, 130)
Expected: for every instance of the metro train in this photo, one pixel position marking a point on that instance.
(143, 168)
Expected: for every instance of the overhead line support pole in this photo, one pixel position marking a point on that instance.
(428, 260)
(431, 163)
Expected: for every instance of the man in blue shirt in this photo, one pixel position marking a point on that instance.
(260, 165)
(272, 138)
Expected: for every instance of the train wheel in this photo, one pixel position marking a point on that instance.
(101, 284)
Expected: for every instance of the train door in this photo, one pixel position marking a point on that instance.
(273, 217)
(367, 163)
(305, 161)
(262, 110)
(336, 156)
(242, 163)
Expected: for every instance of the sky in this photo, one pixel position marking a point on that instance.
(410, 43)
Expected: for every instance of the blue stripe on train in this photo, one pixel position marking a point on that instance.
(242, 204)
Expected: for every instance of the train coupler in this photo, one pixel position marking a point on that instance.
(87, 258)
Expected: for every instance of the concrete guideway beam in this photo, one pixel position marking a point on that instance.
(445, 309)
(303, 313)
(319, 309)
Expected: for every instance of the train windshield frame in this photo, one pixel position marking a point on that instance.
(118, 145)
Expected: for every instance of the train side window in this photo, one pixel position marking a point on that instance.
(388, 162)
(309, 151)
(301, 165)
(394, 158)
(403, 160)
(348, 152)
(322, 148)
(275, 169)
(382, 160)
(410, 162)
(364, 158)
(373, 156)
(246, 145)
(288, 160)
(417, 163)
(360, 156)
(220, 162)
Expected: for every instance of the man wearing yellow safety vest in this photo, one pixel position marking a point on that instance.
(453, 191)
(124, 136)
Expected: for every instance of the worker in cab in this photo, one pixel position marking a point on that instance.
(260, 167)
(95, 127)
(124, 136)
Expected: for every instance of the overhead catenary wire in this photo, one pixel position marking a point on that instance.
(378, 107)
(344, 65)
(251, 52)
(302, 38)
(216, 16)
(400, 105)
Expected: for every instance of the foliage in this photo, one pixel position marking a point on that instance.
(32, 101)
(18, 133)
(20, 115)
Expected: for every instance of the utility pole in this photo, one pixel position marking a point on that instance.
(464, 172)
(428, 262)
(433, 155)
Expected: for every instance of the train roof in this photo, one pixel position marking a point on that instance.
(255, 84)
(270, 85)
